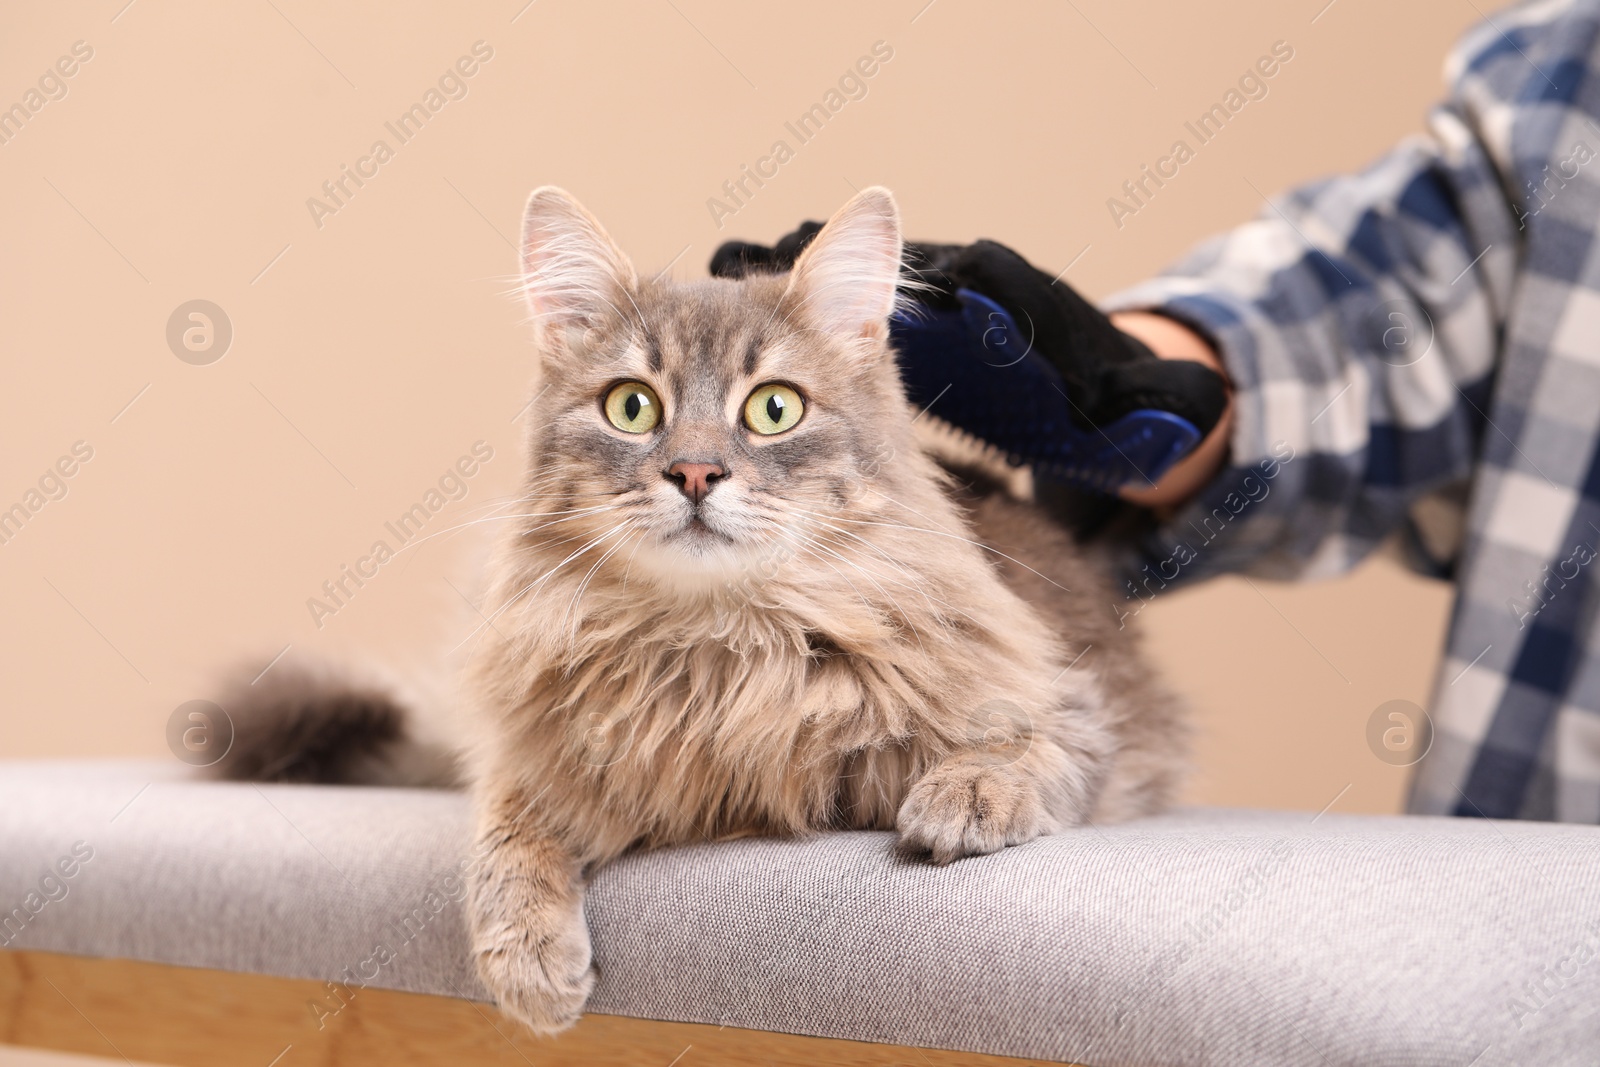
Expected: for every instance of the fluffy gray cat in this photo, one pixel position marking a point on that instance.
(743, 596)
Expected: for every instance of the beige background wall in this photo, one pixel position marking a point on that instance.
(369, 352)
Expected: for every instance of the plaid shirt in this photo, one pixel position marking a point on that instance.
(1416, 348)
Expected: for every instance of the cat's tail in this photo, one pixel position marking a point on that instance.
(313, 722)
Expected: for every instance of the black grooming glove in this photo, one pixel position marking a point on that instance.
(1106, 373)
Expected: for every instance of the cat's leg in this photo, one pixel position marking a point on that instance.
(982, 798)
(529, 938)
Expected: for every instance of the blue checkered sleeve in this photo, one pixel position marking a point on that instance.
(1416, 349)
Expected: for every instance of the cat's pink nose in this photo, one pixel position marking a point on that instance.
(695, 480)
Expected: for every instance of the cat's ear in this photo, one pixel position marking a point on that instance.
(573, 273)
(844, 282)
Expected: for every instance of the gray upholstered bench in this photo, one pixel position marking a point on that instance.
(210, 923)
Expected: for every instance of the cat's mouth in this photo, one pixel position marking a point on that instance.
(697, 529)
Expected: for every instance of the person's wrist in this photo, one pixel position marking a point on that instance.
(1170, 339)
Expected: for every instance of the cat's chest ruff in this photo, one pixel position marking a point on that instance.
(777, 688)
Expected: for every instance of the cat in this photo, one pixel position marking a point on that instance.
(742, 597)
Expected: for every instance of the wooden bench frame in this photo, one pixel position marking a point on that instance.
(191, 1017)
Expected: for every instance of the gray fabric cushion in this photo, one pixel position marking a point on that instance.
(1201, 937)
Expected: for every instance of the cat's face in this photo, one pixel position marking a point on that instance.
(698, 432)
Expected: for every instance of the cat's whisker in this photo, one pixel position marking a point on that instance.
(899, 578)
(506, 518)
(904, 507)
(590, 545)
(905, 577)
(583, 586)
(496, 504)
(502, 609)
(955, 537)
(874, 579)
(905, 616)
(626, 526)
(628, 567)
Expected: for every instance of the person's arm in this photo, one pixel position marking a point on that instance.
(1358, 321)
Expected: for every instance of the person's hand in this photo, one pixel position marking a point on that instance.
(1170, 339)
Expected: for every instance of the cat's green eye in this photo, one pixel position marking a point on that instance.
(633, 407)
(773, 408)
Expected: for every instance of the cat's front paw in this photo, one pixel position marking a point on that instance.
(970, 808)
(540, 977)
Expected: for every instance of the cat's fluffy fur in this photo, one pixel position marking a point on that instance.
(842, 633)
